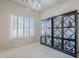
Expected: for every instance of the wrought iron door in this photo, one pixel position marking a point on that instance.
(57, 30)
(69, 33)
(46, 37)
(60, 33)
(64, 38)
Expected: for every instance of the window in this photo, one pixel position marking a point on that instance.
(29, 26)
(26, 27)
(13, 26)
(21, 26)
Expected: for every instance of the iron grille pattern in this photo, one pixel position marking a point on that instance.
(60, 32)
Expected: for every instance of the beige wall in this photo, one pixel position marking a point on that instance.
(6, 9)
(67, 6)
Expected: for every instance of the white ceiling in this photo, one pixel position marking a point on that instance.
(45, 4)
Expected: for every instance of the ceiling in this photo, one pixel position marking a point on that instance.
(44, 4)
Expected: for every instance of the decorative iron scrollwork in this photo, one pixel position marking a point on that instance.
(57, 43)
(60, 32)
(69, 33)
(69, 46)
(48, 41)
(69, 21)
(58, 21)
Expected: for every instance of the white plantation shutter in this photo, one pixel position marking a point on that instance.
(21, 26)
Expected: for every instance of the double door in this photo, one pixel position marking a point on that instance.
(60, 33)
(46, 35)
